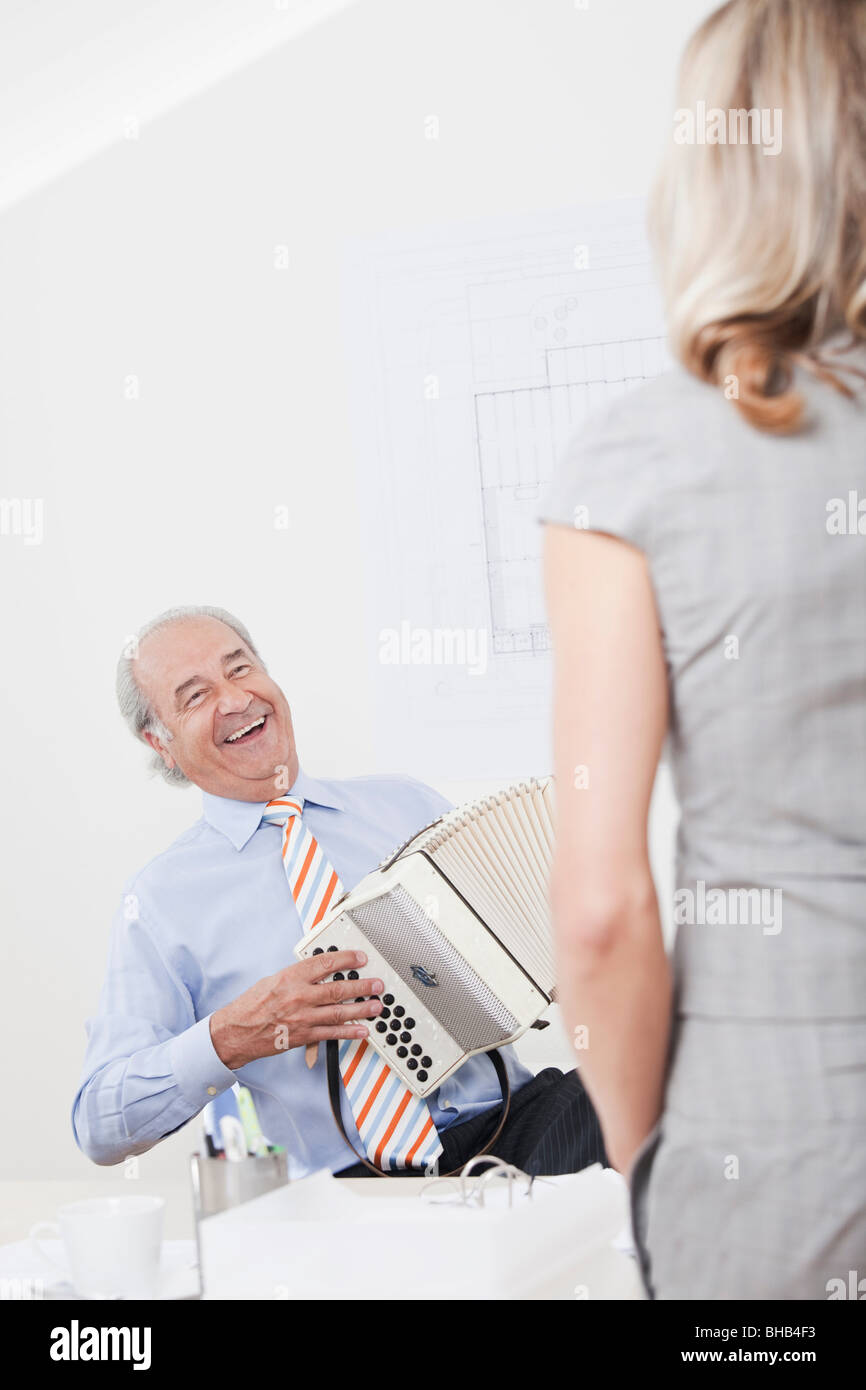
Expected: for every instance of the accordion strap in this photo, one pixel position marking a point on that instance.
(335, 1086)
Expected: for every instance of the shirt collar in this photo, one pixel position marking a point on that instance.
(239, 820)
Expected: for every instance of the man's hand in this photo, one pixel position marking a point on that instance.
(295, 1007)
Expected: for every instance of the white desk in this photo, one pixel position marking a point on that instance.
(365, 1238)
(250, 1243)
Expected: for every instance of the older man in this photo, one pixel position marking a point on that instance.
(198, 992)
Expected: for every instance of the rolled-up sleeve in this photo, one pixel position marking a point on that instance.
(150, 1065)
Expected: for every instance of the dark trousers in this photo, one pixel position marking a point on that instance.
(551, 1128)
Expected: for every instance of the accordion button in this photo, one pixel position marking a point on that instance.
(386, 1013)
(405, 1037)
(398, 1011)
(402, 1052)
(416, 1050)
(408, 1023)
(338, 975)
(332, 948)
(387, 999)
(422, 1076)
(317, 951)
(412, 1064)
(381, 1027)
(353, 975)
(426, 1061)
(391, 1039)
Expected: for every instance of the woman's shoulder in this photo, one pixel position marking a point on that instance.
(653, 412)
(610, 474)
(676, 443)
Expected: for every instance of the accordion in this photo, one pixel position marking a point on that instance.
(456, 924)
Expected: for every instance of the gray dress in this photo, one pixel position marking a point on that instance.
(753, 1183)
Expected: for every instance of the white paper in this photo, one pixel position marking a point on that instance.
(476, 351)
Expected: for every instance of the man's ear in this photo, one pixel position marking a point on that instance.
(159, 747)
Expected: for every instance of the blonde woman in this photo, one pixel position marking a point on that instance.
(705, 566)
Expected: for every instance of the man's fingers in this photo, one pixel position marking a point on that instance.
(307, 1034)
(356, 989)
(334, 1015)
(329, 963)
(328, 992)
(347, 1030)
(336, 991)
(343, 1012)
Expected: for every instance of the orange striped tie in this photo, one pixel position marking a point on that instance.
(395, 1126)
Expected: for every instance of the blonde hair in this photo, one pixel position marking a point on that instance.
(761, 256)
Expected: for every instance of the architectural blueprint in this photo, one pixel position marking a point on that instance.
(474, 354)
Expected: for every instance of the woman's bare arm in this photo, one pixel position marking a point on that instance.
(609, 721)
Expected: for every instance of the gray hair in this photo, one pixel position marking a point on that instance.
(136, 709)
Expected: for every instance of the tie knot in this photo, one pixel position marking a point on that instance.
(282, 808)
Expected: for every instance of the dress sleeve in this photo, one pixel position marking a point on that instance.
(606, 479)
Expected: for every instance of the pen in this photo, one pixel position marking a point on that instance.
(211, 1145)
(234, 1142)
(255, 1140)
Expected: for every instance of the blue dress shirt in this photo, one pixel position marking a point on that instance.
(201, 923)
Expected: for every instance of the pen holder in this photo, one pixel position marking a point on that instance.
(218, 1184)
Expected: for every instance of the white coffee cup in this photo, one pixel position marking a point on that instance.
(112, 1245)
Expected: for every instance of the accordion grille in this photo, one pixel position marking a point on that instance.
(497, 852)
(397, 926)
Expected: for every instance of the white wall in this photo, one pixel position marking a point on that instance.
(155, 258)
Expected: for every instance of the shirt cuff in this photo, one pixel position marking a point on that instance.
(198, 1071)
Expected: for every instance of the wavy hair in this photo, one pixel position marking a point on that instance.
(761, 256)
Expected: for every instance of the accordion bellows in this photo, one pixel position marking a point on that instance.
(457, 925)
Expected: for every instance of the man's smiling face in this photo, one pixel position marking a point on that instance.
(230, 724)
